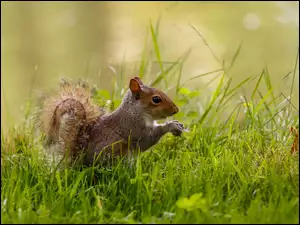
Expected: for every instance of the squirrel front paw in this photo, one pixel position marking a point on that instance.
(175, 127)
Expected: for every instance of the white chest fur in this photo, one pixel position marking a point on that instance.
(150, 122)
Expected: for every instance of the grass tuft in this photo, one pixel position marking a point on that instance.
(223, 170)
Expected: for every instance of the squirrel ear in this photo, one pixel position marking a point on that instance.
(138, 80)
(134, 85)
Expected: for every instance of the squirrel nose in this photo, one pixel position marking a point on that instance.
(175, 110)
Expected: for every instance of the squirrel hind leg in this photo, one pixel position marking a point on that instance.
(68, 133)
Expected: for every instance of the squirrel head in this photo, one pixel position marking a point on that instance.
(154, 102)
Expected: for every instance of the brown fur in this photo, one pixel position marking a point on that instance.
(70, 119)
(65, 113)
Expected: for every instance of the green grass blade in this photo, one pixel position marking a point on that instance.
(257, 85)
(236, 54)
(162, 76)
(144, 61)
(233, 91)
(268, 82)
(156, 48)
(213, 99)
(206, 43)
(294, 74)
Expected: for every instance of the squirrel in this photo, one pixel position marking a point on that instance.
(72, 121)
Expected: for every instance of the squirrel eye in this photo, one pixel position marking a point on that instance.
(156, 99)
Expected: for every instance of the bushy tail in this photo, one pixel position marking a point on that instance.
(66, 113)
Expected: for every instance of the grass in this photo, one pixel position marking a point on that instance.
(222, 171)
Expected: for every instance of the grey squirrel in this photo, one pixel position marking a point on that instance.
(74, 123)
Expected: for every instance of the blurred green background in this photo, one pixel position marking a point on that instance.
(42, 41)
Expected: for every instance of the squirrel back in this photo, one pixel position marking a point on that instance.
(66, 113)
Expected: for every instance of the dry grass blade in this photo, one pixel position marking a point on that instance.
(205, 42)
(295, 145)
